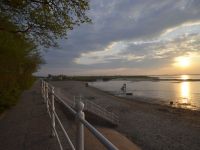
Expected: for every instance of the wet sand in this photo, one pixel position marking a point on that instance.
(151, 126)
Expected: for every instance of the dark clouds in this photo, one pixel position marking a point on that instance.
(127, 21)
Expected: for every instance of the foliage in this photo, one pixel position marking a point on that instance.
(18, 60)
(26, 25)
(43, 21)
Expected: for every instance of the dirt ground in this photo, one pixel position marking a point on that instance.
(151, 126)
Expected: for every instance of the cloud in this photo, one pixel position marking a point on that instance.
(133, 52)
(114, 51)
(145, 34)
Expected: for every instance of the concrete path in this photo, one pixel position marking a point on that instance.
(27, 125)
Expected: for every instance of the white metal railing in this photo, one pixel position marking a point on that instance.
(92, 107)
(96, 109)
(49, 97)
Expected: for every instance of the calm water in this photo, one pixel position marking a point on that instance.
(183, 94)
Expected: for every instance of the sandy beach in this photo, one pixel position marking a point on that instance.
(151, 126)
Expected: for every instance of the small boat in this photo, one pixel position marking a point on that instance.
(129, 93)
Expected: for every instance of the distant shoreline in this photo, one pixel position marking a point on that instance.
(180, 80)
(117, 77)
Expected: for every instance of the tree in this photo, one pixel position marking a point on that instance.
(43, 21)
(19, 58)
(24, 26)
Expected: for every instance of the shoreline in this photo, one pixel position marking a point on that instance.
(173, 98)
(151, 126)
(141, 99)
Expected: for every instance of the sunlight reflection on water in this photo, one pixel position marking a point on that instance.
(184, 94)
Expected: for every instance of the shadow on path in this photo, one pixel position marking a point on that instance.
(27, 125)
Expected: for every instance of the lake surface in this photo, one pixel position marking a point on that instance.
(184, 94)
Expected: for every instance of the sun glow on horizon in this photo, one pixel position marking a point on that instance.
(184, 77)
(182, 61)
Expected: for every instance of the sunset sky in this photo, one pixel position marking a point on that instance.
(131, 37)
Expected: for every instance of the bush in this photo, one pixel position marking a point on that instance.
(18, 60)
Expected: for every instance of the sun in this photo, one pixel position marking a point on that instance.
(182, 61)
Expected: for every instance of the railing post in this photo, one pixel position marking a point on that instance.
(47, 96)
(44, 91)
(52, 112)
(42, 88)
(80, 126)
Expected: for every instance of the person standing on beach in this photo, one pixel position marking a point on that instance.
(123, 88)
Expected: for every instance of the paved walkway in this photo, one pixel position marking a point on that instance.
(27, 125)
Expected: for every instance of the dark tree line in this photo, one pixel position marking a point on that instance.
(26, 25)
